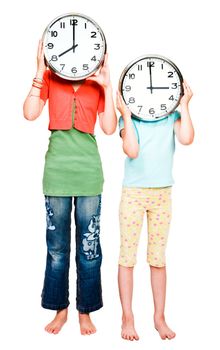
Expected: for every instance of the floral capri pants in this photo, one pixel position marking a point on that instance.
(135, 202)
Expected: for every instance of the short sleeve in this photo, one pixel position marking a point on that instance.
(177, 115)
(44, 93)
(120, 125)
(101, 105)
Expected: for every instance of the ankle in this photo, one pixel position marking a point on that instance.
(62, 313)
(127, 316)
(83, 316)
(159, 317)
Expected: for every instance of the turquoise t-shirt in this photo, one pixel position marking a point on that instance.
(153, 166)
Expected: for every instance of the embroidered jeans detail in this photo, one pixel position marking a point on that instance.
(49, 215)
(91, 240)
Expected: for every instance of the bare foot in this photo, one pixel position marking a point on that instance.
(128, 331)
(163, 329)
(55, 326)
(86, 325)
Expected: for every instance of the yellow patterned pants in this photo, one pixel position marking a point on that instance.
(135, 202)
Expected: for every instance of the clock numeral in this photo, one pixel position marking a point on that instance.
(53, 33)
(54, 58)
(161, 65)
(131, 76)
(85, 25)
(73, 22)
(171, 98)
(93, 34)
(139, 66)
(131, 100)
(163, 107)
(140, 108)
(62, 65)
(50, 45)
(97, 47)
(74, 70)
(150, 64)
(151, 111)
(175, 86)
(85, 66)
(93, 58)
(127, 88)
(170, 74)
(62, 25)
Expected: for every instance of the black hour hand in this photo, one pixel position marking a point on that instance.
(72, 48)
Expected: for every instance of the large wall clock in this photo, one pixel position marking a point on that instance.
(74, 46)
(151, 86)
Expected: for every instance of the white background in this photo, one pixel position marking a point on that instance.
(187, 33)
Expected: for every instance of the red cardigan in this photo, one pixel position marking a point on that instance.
(89, 99)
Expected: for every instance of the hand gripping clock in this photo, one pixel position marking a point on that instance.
(151, 87)
(74, 46)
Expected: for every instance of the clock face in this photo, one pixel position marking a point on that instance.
(151, 87)
(74, 46)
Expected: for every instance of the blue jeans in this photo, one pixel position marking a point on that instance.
(55, 293)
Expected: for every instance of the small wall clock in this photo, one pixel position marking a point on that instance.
(74, 46)
(151, 87)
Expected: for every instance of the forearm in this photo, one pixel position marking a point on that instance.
(33, 104)
(108, 119)
(186, 130)
(130, 143)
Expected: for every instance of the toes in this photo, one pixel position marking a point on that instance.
(171, 335)
(88, 331)
(48, 329)
(129, 337)
(56, 331)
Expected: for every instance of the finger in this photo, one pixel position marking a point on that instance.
(39, 48)
(188, 89)
(186, 85)
(185, 90)
(118, 102)
(120, 99)
(118, 93)
(105, 60)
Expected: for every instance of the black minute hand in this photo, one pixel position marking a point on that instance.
(151, 90)
(73, 37)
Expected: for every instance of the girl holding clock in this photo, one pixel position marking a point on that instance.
(147, 189)
(72, 173)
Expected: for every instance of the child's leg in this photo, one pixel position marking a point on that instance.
(131, 218)
(159, 216)
(158, 283)
(55, 291)
(88, 259)
(125, 283)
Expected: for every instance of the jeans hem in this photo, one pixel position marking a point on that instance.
(54, 307)
(87, 310)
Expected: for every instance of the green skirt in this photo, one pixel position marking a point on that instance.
(72, 165)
